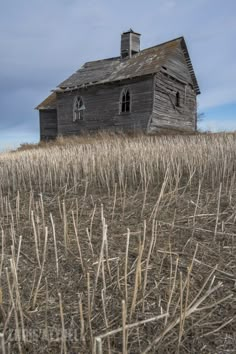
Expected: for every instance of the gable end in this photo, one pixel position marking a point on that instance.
(190, 66)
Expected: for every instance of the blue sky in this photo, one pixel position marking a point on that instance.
(43, 42)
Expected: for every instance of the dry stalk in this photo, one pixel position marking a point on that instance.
(163, 187)
(181, 323)
(2, 254)
(104, 237)
(133, 325)
(42, 267)
(46, 305)
(98, 343)
(186, 283)
(123, 201)
(137, 283)
(125, 333)
(103, 293)
(218, 211)
(147, 263)
(42, 209)
(145, 196)
(89, 310)
(18, 299)
(173, 289)
(218, 328)
(63, 334)
(65, 228)
(126, 265)
(196, 207)
(35, 239)
(59, 208)
(114, 203)
(118, 277)
(18, 252)
(82, 326)
(17, 207)
(78, 242)
(90, 242)
(100, 261)
(55, 244)
(3, 350)
(84, 198)
(18, 332)
(91, 222)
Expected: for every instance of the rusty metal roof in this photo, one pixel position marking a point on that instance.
(146, 62)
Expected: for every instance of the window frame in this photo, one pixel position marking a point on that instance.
(78, 109)
(177, 99)
(124, 102)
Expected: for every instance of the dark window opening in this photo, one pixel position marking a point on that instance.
(177, 99)
(78, 109)
(125, 104)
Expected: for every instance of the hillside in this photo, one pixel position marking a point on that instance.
(119, 245)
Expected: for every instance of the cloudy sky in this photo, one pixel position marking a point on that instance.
(43, 42)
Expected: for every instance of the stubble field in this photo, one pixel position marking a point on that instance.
(119, 245)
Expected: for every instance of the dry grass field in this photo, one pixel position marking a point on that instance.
(119, 245)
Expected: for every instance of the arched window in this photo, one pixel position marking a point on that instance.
(177, 99)
(125, 101)
(78, 109)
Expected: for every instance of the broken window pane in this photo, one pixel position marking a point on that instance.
(125, 104)
(78, 110)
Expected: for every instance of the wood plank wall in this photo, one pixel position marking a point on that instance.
(177, 66)
(166, 115)
(102, 107)
(174, 77)
(48, 124)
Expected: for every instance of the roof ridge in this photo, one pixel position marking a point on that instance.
(119, 57)
(163, 43)
(106, 59)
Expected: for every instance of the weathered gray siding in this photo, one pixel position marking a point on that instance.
(177, 66)
(172, 78)
(102, 107)
(166, 115)
(48, 124)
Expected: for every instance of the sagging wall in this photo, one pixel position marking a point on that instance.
(167, 115)
(48, 124)
(102, 107)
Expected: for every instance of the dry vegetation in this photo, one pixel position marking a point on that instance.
(119, 245)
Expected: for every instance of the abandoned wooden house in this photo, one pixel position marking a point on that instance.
(151, 90)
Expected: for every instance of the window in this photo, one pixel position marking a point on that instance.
(78, 109)
(177, 99)
(125, 101)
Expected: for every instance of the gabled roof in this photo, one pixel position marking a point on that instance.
(146, 62)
